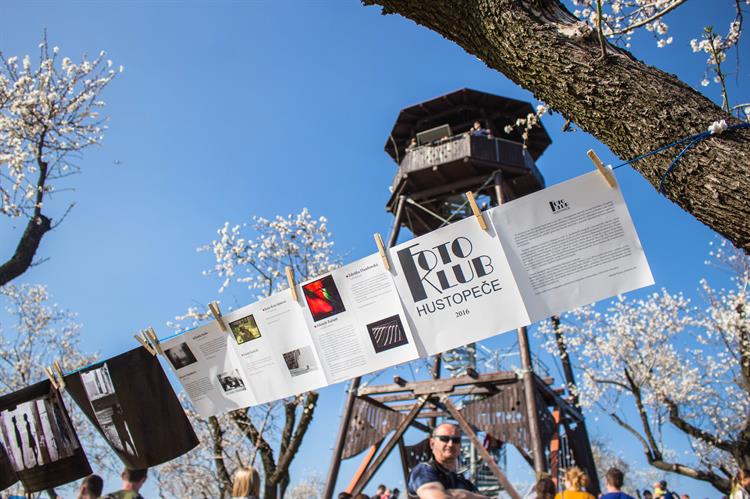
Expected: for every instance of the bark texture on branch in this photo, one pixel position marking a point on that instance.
(631, 107)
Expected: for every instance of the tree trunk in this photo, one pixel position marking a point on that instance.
(629, 106)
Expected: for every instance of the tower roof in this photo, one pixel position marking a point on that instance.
(461, 107)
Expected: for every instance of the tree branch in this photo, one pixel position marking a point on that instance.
(308, 410)
(217, 438)
(694, 431)
(629, 106)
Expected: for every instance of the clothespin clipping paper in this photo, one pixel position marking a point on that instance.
(475, 209)
(381, 250)
(144, 343)
(61, 380)
(214, 308)
(608, 175)
(51, 377)
(154, 340)
(292, 284)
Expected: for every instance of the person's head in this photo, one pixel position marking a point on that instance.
(133, 479)
(246, 482)
(742, 478)
(91, 487)
(576, 479)
(380, 489)
(545, 488)
(395, 493)
(344, 495)
(660, 485)
(477, 125)
(445, 444)
(647, 494)
(684, 496)
(615, 478)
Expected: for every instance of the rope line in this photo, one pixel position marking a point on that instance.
(691, 141)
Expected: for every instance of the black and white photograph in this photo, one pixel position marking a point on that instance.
(300, 361)
(37, 433)
(231, 381)
(387, 333)
(180, 356)
(107, 409)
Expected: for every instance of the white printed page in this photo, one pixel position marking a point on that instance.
(571, 244)
(457, 286)
(356, 320)
(211, 376)
(274, 347)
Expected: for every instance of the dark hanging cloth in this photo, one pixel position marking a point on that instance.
(39, 439)
(130, 401)
(7, 474)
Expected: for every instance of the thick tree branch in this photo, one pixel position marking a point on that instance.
(629, 106)
(217, 439)
(23, 258)
(694, 431)
(247, 427)
(308, 410)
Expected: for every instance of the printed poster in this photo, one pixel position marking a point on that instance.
(208, 370)
(570, 245)
(457, 286)
(271, 343)
(131, 403)
(356, 320)
(39, 439)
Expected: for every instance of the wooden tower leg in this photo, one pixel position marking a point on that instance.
(486, 456)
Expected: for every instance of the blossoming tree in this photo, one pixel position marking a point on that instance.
(254, 257)
(581, 68)
(663, 369)
(48, 115)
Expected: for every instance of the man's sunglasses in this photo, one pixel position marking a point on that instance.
(445, 439)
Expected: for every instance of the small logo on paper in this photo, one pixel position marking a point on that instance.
(559, 205)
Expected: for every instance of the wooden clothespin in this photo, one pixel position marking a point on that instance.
(51, 377)
(381, 250)
(145, 343)
(214, 308)
(475, 210)
(606, 172)
(60, 374)
(154, 340)
(292, 284)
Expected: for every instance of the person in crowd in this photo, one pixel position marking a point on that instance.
(741, 485)
(132, 481)
(395, 493)
(478, 131)
(662, 492)
(575, 485)
(344, 495)
(91, 487)
(379, 491)
(614, 480)
(437, 478)
(647, 494)
(684, 496)
(545, 488)
(246, 483)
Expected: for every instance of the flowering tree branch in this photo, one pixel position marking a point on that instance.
(48, 115)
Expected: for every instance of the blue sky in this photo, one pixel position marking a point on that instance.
(227, 110)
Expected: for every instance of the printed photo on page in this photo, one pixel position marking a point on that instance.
(570, 245)
(273, 345)
(211, 376)
(456, 286)
(356, 320)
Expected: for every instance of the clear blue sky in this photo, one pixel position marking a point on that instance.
(232, 109)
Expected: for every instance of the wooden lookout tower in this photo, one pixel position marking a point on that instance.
(440, 155)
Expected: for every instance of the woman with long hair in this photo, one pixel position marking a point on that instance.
(741, 485)
(575, 483)
(545, 488)
(246, 483)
